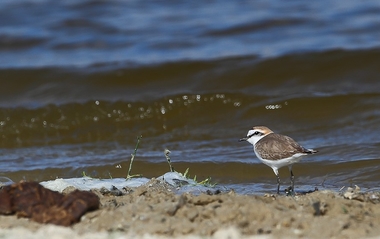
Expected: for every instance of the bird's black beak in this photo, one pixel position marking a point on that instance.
(243, 139)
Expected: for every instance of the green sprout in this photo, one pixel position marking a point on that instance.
(206, 182)
(185, 173)
(132, 158)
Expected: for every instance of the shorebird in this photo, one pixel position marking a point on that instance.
(276, 150)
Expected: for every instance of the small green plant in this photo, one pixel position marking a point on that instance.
(206, 182)
(132, 158)
(185, 173)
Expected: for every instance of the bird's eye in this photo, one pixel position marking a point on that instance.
(255, 133)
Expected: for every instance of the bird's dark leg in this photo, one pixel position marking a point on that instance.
(278, 183)
(275, 170)
(291, 178)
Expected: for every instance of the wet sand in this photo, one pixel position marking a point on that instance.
(154, 210)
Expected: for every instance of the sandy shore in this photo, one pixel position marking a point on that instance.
(155, 211)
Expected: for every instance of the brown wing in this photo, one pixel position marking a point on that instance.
(276, 146)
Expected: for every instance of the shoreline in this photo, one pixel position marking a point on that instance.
(154, 210)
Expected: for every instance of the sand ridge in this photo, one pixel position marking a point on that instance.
(155, 209)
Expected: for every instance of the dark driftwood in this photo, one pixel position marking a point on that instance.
(31, 200)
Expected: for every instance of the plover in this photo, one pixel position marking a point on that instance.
(276, 150)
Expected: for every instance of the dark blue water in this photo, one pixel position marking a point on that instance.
(81, 33)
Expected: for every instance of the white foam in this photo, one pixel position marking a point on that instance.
(86, 183)
(186, 185)
(177, 180)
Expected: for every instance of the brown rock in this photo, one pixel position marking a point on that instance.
(31, 200)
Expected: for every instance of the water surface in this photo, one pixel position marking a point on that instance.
(81, 80)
